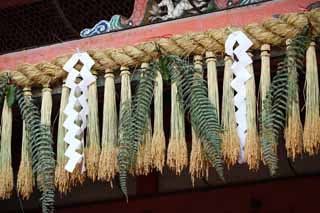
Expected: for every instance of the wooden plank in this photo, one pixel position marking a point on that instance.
(233, 17)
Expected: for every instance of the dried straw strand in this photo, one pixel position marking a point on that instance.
(6, 172)
(177, 156)
(311, 133)
(198, 166)
(293, 129)
(213, 91)
(25, 180)
(62, 176)
(158, 148)
(144, 163)
(265, 72)
(46, 105)
(230, 141)
(264, 78)
(108, 165)
(93, 148)
(252, 146)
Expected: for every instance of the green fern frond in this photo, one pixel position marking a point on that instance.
(275, 105)
(133, 123)
(141, 103)
(193, 95)
(43, 162)
(125, 142)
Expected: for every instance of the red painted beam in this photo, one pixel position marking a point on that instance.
(297, 195)
(234, 17)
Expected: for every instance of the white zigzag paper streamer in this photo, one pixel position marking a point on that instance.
(239, 82)
(81, 87)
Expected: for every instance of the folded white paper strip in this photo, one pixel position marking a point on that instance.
(241, 60)
(78, 82)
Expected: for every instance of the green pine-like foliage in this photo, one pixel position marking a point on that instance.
(42, 155)
(275, 105)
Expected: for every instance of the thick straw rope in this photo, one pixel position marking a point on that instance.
(274, 31)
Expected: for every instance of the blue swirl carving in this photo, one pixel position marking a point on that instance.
(101, 27)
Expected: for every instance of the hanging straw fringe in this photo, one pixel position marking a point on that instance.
(213, 91)
(265, 77)
(46, 105)
(293, 130)
(198, 167)
(62, 177)
(311, 134)
(108, 165)
(177, 156)
(125, 97)
(6, 172)
(252, 148)
(230, 144)
(25, 181)
(144, 162)
(158, 148)
(93, 135)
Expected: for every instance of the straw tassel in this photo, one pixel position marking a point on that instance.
(311, 134)
(264, 78)
(252, 147)
(199, 167)
(144, 162)
(125, 96)
(293, 130)
(230, 144)
(62, 177)
(25, 180)
(46, 105)
(213, 91)
(158, 148)
(93, 148)
(6, 172)
(108, 165)
(177, 156)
